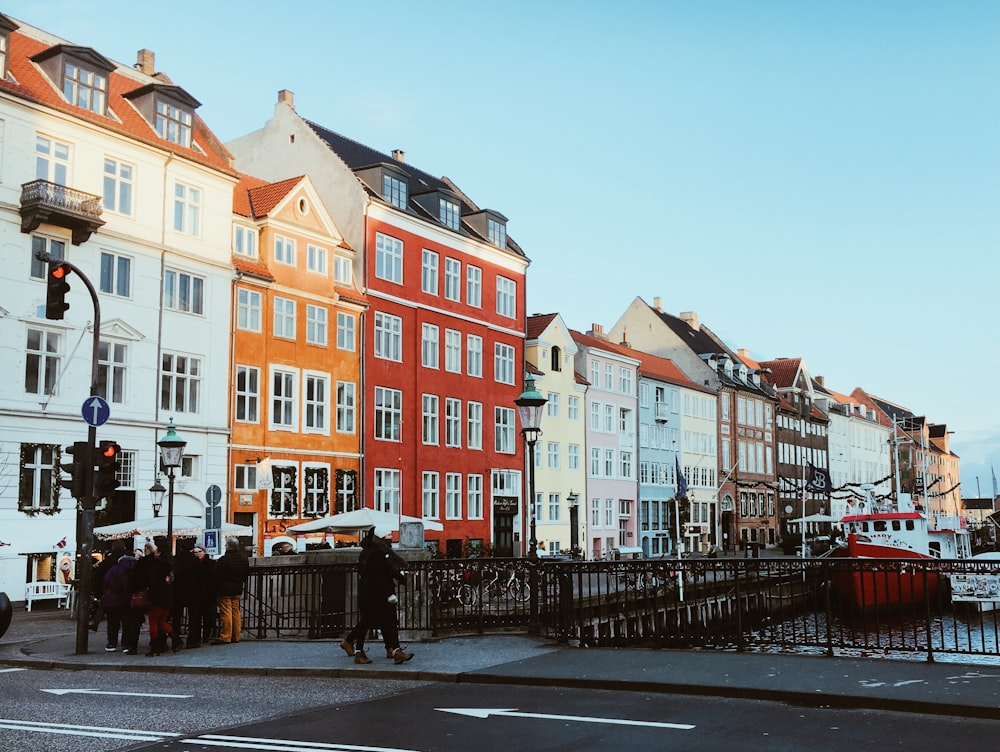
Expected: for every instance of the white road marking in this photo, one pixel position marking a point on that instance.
(512, 712)
(8, 670)
(102, 692)
(76, 730)
(283, 745)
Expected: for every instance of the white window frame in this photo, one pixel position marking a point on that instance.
(246, 394)
(346, 407)
(474, 425)
(187, 209)
(316, 324)
(316, 402)
(174, 285)
(43, 361)
(452, 351)
(284, 250)
(284, 314)
(116, 274)
(388, 258)
(474, 355)
(183, 371)
(506, 297)
(388, 337)
(430, 345)
(244, 241)
(453, 496)
(503, 430)
(346, 332)
(316, 256)
(452, 422)
(429, 272)
(503, 363)
(430, 494)
(388, 414)
(119, 186)
(473, 286)
(430, 419)
(283, 393)
(452, 279)
(387, 483)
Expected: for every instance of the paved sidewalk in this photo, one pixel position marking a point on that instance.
(47, 640)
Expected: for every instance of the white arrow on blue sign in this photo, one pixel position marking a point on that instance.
(95, 411)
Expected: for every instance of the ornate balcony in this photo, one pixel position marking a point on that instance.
(45, 202)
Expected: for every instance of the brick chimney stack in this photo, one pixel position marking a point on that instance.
(399, 155)
(145, 62)
(691, 319)
(597, 331)
(286, 96)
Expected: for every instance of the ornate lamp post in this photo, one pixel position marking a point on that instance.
(156, 493)
(171, 453)
(529, 409)
(574, 524)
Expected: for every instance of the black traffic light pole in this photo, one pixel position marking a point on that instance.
(87, 502)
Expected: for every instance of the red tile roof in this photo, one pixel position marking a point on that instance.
(783, 370)
(537, 324)
(651, 366)
(264, 198)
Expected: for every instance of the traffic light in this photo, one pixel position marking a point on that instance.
(56, 289)
(108, 464)
(77, 469)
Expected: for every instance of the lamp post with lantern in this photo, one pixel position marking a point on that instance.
(529, 409)
(574, 524)
(171, 454)
(156, 494)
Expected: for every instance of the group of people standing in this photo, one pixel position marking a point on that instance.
(162, 589)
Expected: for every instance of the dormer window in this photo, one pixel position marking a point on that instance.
(496, 232)
(449, 213)
(6, 27)
(81, 73)
(394, 190)
(168, 109)
(245, 241)
(491, 225)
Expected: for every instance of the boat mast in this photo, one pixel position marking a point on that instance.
(895, 458)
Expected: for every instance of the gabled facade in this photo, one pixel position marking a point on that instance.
(295, 406)
(444, 333)
(612, 445)
(109, 167)
(560, 461)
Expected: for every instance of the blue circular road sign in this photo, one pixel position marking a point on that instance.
(95, 411)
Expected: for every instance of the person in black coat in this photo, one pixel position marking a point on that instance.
(193, 593)
(230, 575)
(153, 574)
(380, 569)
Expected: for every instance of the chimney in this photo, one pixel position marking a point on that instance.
(286, 96)
(399, 155)
(821, 380)
(597, 331)
(691, 319)
(624, 342)
(658, 304)
(145, 62)
(743, 353)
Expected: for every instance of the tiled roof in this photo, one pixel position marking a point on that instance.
(241, 195)
(538, 324)
(31, 84)
(252, 267)
(783, 371)
(266, 197)
(650, 366)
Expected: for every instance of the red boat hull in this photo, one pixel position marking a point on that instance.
(883, 578)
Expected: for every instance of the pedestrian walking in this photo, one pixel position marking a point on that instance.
(200, 596)
(230, 575)
(377, 597)
(97, 583)
(153, 575)
(116, 597)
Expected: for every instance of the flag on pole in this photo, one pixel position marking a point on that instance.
(682, 485)
(818, 480)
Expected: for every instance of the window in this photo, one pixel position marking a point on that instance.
(4, 46)
(345, 407)
(55, 248)
(342, 270)
(503, 363)
(315, 493)
(429, 346)
(317, 389)
(387, 490)
(284, 250)
(431, 493)
(187, 209)
(474, 286)
(248, 310)
(173, 123)
(51, 160)
(39, 486)
(388, 413)
(595, 374)
(496, 232)
(116, 274)
(625, 380)
(595, 416)
(394, 191)
(609, 463)
(452, 422)
(474, 425)
(180, 383)
(247, 394)
(554, 508)
(609, 378)
(284, 495)
(85, 88)
(625, 468)
(504, 430)
(245, 477)
(112, 368)
(452, 350)
(506, 297)
(553, 455)
(388, 337)
(453, 279)
(552, 406)
(448, 213)
(430, 419)
(345, 332)
(245, 241)
(183, 292)
(315, 325)
(316, 259)
(429, 272)
(346, 489)
(44, 357)
(573, 457)
(284, 318)
(474, 494)
(474, 355)
(118, 182)
(283, 399)
(388, 258)
(453, 496)
(573, 408)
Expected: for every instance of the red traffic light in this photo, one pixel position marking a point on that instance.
(109, 449)
(60, 271)
(56, 289)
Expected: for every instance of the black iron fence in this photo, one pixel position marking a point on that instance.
(833, 606)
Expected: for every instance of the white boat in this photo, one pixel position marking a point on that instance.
(981, 588)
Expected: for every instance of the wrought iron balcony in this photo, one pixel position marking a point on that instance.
(46, 202)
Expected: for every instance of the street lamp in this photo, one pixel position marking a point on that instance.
(156, 492)
(574, 524)
(171, 453)
(529, 409)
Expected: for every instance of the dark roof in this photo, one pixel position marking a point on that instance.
(358, 156)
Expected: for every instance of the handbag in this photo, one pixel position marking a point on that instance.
(138, 600)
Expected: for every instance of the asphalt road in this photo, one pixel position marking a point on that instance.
(323, 715)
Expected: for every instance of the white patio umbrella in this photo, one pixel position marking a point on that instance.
(813, 518)
(153, 526)
(360, 519)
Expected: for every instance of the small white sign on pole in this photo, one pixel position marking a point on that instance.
(211, 543)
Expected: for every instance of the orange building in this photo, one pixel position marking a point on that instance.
(296, 373)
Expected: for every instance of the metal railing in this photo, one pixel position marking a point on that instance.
(828, 606)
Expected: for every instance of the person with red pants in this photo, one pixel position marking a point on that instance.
(153, 574)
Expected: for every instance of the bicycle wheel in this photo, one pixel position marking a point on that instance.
(519, 590)
(467, 596)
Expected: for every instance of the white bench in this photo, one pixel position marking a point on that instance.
(46, 591)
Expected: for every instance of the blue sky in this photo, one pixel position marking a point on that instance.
(816, 180)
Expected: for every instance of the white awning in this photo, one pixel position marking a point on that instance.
(629, 550)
